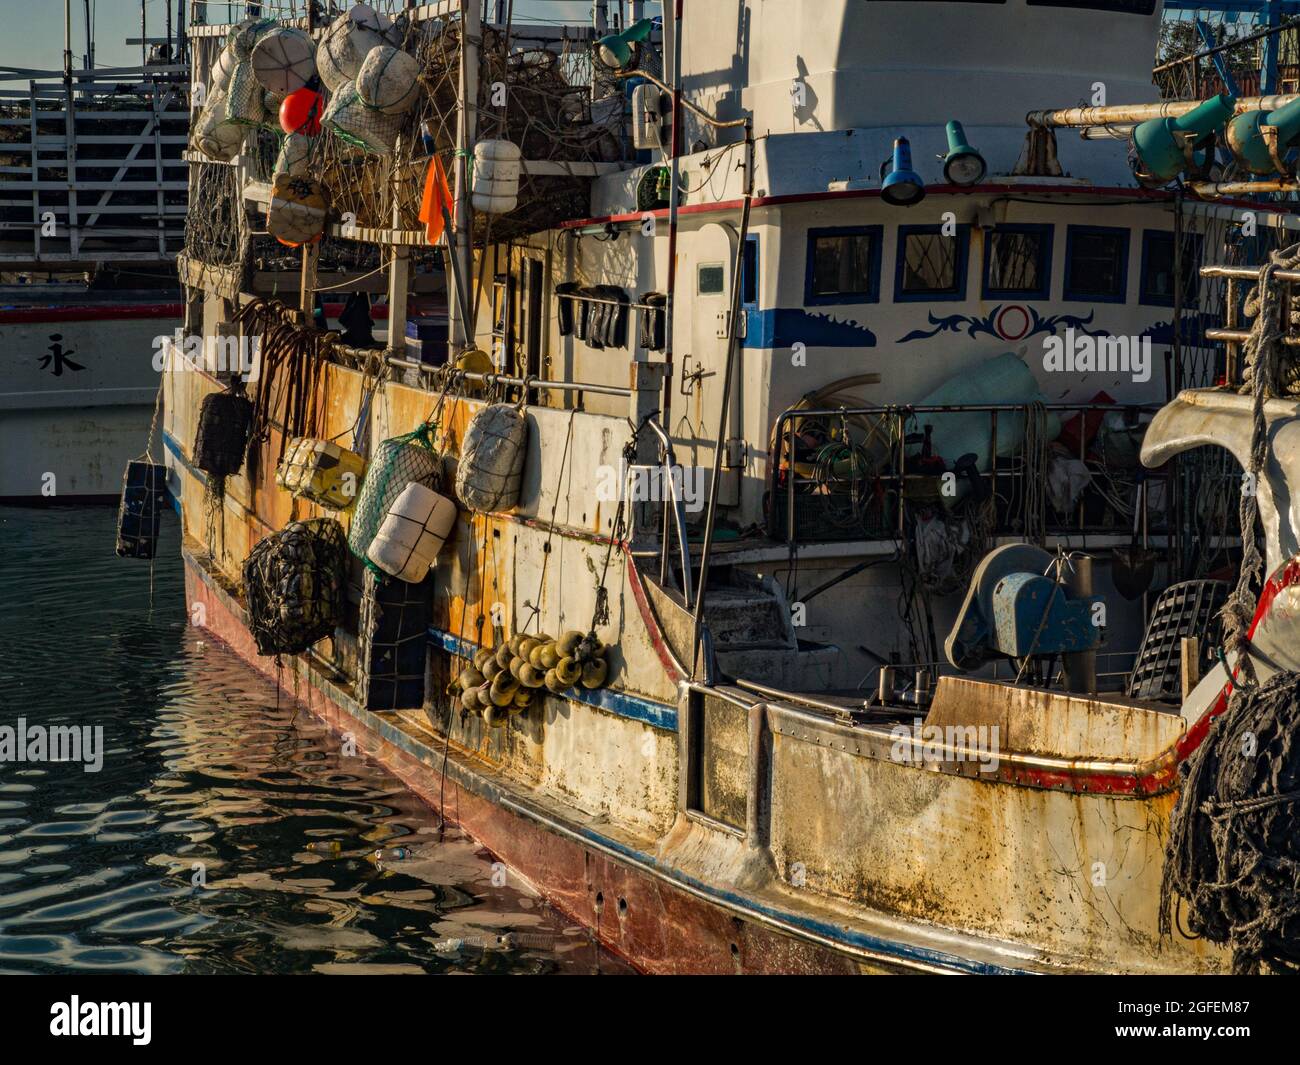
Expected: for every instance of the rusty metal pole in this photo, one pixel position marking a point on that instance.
(1081, 666)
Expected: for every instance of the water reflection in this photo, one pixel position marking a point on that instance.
(227, 831)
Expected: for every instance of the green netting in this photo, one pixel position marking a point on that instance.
(397, 462)
(352, 121)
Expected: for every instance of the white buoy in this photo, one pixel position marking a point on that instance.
(389, 80)
(497, 167)
(412, 533)
(215, 135)
(344, 48)
(295, 155)
(284, 60)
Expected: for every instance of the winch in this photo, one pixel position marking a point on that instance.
(1017, 608)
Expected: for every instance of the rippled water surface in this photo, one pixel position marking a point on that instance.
(224, 832)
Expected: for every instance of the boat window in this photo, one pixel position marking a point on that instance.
(1018, 261)
(710, 279)
(1127, 7)
(749, 272)
(843, 265)
(931, 263)
(1158, 268)
(1096, 263)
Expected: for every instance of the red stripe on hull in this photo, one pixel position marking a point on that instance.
(656, 926)
(90, 313)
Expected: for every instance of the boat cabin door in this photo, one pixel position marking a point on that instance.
(705, 283)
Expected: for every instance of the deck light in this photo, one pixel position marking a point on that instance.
(903, 187)
(1159, 142)
(1259, 139)
(615, 51)
(963, 165)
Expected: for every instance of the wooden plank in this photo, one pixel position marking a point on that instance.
(363, 235)
(101, 186)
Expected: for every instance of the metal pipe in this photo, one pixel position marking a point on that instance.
(1134, 113)
(1242, 188)
(67, 49)
(678, 512)
(724, 414)
(674, 202)
(1080, 666)
(503, 379)
(1247, 273)
(471, 29)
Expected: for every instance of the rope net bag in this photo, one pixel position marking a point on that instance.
(397, 462)
(293, 585)
(1234, 838)
(1270, 372)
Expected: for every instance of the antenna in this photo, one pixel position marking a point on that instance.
(67, 47)
(90, 38)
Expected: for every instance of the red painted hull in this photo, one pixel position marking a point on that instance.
(657, 926)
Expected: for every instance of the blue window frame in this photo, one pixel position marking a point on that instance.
(930, 265)
(1096, 264)
(1018, 262)
(1157, 282)
(843, 265)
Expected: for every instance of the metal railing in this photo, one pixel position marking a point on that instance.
(891, 472)
(676, 513)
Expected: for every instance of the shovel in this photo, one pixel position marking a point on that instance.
(1133, 567)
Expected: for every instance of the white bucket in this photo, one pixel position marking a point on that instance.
(412, 533)
(497, 168)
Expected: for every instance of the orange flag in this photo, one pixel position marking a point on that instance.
(437, 199)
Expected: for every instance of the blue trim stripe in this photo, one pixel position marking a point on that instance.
(621, 704)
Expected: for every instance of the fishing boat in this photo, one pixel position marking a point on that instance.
(819, 561)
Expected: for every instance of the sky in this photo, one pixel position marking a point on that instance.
(35, 37)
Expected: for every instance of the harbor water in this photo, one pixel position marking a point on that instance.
(214, 827)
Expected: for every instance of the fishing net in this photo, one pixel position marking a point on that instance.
(397, 462)
(225, 420)
(1234, 836)
(361, 126)
(294, 157)
(245, 102)
(293, 584)
(144, 495)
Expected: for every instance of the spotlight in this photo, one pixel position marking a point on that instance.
(963, 165)
(903, 187)
(1163, 146)
(615, 51)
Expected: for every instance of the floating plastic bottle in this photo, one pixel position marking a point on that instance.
(393, 854)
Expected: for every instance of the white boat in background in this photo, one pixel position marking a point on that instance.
(92, 200)
(78, 384)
